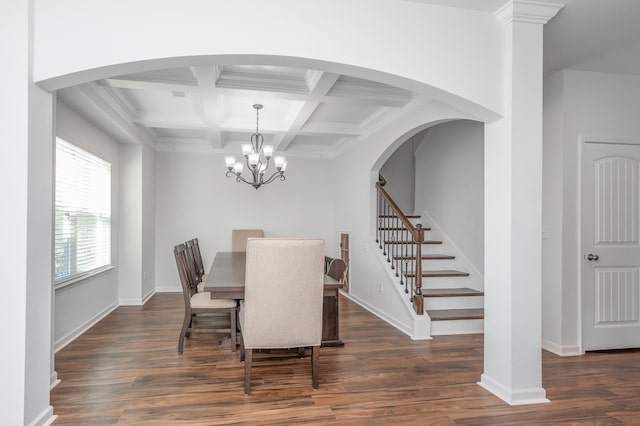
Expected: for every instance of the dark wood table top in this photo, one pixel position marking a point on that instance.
(226, 277)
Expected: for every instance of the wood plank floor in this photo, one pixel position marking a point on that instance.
(126, 370)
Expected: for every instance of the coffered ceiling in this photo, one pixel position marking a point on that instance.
(209, 108)
(312, 112)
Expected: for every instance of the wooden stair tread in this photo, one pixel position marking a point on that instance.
(411, 242)
(455, 314)
(427, 257)
(439, 273)
(450, 292)
(398, 229)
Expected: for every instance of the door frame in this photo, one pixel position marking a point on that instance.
(582, 141)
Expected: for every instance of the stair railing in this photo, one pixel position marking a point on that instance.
(393, 228)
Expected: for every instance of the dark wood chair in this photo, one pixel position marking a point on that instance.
(282, 307)
(336, 269)
(200, 303)
(194, 260)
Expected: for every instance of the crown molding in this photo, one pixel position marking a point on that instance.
(526, 11)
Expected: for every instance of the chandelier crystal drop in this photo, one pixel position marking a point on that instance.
(257, 158)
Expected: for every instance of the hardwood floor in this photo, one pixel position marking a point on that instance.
(126, 370)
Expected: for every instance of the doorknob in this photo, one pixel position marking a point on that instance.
(592, 257)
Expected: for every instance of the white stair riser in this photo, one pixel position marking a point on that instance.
(445, 282)
(458, 302)
(441, 328)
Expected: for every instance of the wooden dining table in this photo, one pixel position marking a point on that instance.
(226, 281)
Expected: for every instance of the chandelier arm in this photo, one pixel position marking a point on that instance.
(277, 174)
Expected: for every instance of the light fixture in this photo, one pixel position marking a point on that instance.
(257, 158)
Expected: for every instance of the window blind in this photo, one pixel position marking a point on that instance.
(82, 212)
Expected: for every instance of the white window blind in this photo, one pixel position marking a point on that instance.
(82, 212)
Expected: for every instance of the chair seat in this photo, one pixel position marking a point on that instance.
(204, 300)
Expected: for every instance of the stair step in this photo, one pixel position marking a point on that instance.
(426, 257)
(398, 229)
(408, 216)
(411, 242)
(455, 314)
(450, 292)
(443, 273)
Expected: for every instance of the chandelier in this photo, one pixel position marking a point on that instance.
(257, 157)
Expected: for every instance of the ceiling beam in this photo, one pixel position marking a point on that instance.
(210, 105)
(319, 83)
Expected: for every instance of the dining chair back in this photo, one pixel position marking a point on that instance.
(200, 303)
(194, 260)
(336, 269)
(282, 307)
(239, 238)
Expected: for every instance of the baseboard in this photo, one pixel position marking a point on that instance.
(168, 290)
(148, 296)
(71, 336)
(53, 380)
(513, 397)
(406, 329)
(45, 418)
(560, 350)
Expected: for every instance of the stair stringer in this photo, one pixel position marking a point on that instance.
(420, 327)
(475, 280)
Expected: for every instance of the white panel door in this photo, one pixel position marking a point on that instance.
(610, 243)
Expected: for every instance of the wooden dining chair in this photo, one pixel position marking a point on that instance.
(336, 269)
(194, 259)
(239, 238)
(282, 305)
(200, 303)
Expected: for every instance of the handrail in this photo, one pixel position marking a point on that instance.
(389, 214)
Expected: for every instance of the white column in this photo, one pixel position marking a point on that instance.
(513, 214)
(25, 252)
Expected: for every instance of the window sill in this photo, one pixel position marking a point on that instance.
(83, 277)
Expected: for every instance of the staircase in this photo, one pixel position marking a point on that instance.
(451, 305)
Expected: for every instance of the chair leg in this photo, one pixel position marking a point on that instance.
(248, 355)
(185, 326)
(233, 329)
(315, 365)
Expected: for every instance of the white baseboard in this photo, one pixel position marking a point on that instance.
(72, 335)
(168, 290)
(53, 380)
(511, 396)
(560, 350)
(148, 296)
(405, 328)
(45, 418)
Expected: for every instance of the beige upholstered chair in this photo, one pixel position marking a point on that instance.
(239, 238)
(282, 305)
(200, 303)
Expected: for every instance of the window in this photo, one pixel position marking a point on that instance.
(83, 213)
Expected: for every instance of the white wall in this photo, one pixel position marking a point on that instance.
(148, 221)
(591, 104)
(552, 178)
(400, 173)
(130, 229)
(79, 305)
(450, 184)
(383, 40)
(195, 199)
